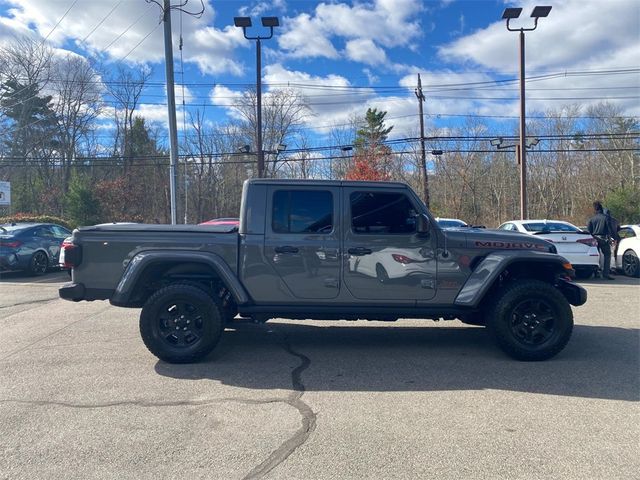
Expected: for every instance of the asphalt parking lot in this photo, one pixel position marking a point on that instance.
(80, 397)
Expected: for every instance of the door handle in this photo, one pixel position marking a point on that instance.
(358, 251)
(286, 249)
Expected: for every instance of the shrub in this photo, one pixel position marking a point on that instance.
(35, 218)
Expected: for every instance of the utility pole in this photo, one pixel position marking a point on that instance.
(423, 152)
(171, 108)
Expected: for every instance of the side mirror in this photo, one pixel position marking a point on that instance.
(422, 225)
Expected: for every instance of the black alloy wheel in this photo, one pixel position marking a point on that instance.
(38, 264)
(533, 322)
(181, 323)
(630, 264)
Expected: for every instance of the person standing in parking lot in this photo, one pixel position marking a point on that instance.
(598, 226)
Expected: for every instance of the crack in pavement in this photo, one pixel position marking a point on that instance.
(142, 403)
(308, 419)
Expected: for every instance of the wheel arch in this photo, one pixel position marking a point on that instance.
(149, 271)
(499, 268)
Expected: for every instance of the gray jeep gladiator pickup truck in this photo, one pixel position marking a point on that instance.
(325, 250)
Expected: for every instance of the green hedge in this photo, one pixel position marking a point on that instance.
(35, 218)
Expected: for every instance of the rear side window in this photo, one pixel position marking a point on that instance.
(549, 227)
(302, 211)
(382, 212)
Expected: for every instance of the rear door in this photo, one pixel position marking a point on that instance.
(302, 240)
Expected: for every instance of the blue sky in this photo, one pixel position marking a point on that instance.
(347, 56)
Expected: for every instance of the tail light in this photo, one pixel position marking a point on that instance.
(70, 254)
(402, 258)
(591, 242)
(10, 244)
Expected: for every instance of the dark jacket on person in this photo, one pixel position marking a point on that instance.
(599, 225)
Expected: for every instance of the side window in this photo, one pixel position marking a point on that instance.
(382, 212)
(43, 232)
(626, 233)
(302, 211)
(504, 226)
(60, 232)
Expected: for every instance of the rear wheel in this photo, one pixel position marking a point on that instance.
(38, 264)
(630, 264)
(181, 324)
(531, 320)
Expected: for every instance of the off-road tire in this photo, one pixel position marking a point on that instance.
(181, 323)
(530, 320)
(38, 264)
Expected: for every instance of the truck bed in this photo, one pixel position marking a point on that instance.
(110, 248)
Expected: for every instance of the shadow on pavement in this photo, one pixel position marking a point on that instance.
(599, 362)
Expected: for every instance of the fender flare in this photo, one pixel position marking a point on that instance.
(492, 266)
(143, 260)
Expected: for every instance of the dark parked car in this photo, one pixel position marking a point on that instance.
(32, 247)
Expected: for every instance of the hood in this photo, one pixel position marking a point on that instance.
(503, 240)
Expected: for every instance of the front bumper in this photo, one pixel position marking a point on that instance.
(574, 293)
(72, 291)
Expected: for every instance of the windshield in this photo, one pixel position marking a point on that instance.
(550, 227)
(451, 223)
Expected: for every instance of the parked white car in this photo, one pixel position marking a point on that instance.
(576, 245)
(628, 251)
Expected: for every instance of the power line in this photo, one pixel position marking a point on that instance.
(101, 21)
(59, 21)
(203, 159)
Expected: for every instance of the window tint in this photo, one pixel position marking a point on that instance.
(60, 231)
(626, 233)
(44, 232)
(382, 213)
(549, 227)
(302, 211)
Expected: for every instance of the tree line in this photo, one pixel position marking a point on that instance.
(73, 144)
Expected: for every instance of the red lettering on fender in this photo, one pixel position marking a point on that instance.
(510, 245)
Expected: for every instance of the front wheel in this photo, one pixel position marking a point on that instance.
(181, 324)
(531, 320)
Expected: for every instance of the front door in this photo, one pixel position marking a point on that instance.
(302, 241)
(385, 260)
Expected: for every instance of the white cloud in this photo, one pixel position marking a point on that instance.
(576, 36)
(113, 30)
(388, 23)
(365, 51)
(304, 37)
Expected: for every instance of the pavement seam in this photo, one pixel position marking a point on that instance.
(32, 302)
(308, 419)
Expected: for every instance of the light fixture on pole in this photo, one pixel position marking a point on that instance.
(244, 23)
(508, 15)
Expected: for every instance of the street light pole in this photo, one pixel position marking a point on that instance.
(523, 135)
(510, 14)
(259, 107)
(244, 23)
